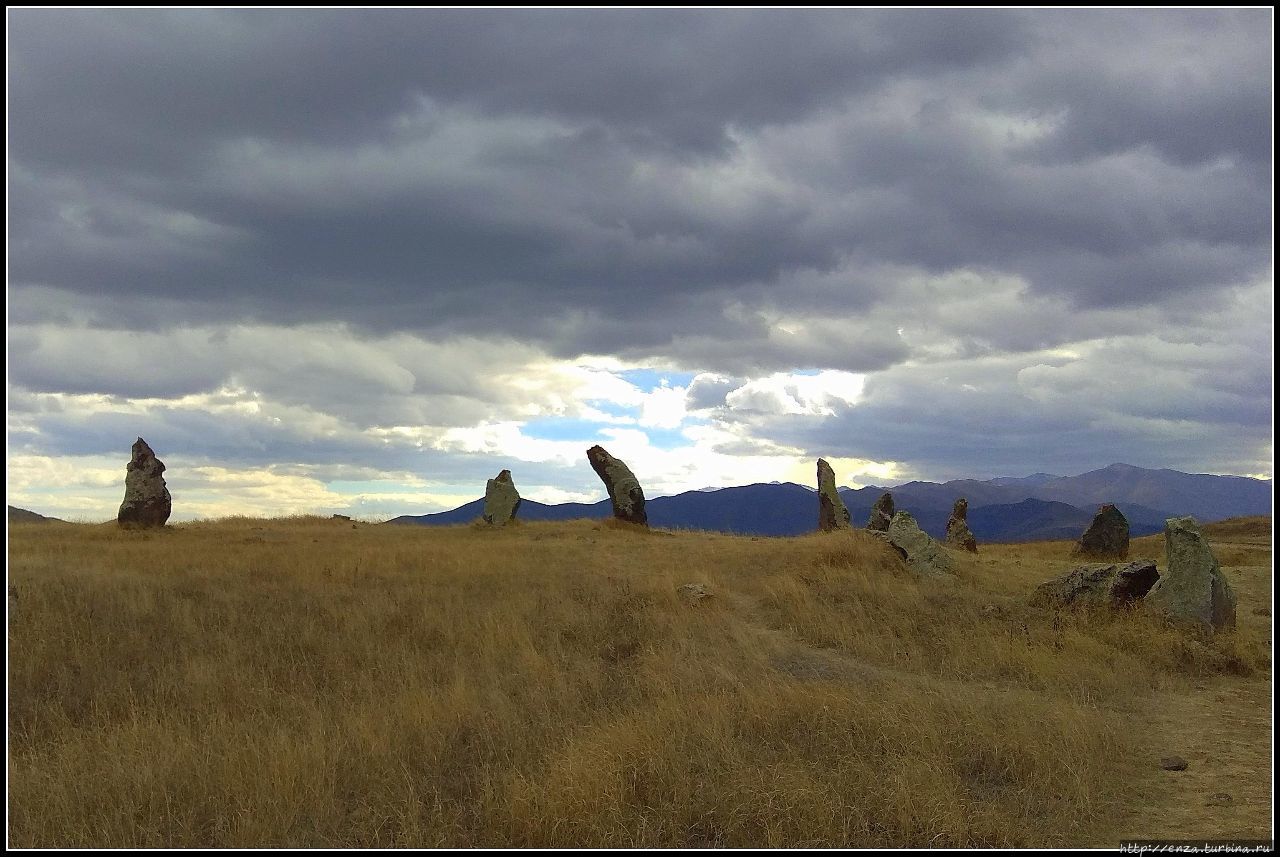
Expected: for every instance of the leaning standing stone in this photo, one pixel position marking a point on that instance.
(921, 553)
(881, 513)
(146, 499)
(958, 533)
(623, 487)
(832, 514)
(1193, 586)
(1107, 537)
(501, 500)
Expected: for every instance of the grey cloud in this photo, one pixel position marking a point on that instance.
(1192, 93)
(1140, 400)
(446, 170)
(675, 77)
(656, 185)
(708, 391)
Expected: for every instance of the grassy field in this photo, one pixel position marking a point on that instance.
(307, 682)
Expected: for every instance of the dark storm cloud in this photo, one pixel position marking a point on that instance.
(197, 198)
(143, 79)
(615, 181)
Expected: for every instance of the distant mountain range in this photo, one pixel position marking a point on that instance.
(1005, 509)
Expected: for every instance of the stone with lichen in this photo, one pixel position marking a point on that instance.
(1193, 587)
(1107, 536)
(832, 514)
(881, 513)
(958, 533)
(501, 500)
(624, 489)
(147, 502)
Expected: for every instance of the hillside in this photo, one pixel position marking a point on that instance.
(303, 683)
(22, 516)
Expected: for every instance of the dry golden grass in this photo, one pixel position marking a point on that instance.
(300, 682)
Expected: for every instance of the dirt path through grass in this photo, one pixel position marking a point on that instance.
(1218, 727)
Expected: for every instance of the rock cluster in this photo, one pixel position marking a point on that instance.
(1107, 536)
(958, 533)
(832, 514)
(146, 499)
(1192, 587)
(881, 513)
(624, 489)
(501, 500)
(921, 553)
(1098, 585)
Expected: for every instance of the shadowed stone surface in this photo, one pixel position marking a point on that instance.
(921, 553)
(1098, 585)
(1193, 586)
(832, 514)
(501, 500)
(958, 533)
(146, 499)
(1107, 537)
(881, 513)
(623, 487)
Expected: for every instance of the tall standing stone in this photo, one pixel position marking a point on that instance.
(1193, 586)
(1107, 537)
(501, 500)
(624, 489)
(146, 499)
(881, 513)
(832, 514)
(958, 533)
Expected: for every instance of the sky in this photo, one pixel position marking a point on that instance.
(360, 261)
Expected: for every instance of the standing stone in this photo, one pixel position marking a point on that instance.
(1193, 586)
(623, 487)
(1098, 585)
(881, 513)
(958, 533)
(146, 499)
(922, 554)
(1107, 537)
(501, 500)
(832, 514)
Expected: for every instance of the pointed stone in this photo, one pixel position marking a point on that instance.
(624, 489)
(1193, 587)
(958, 533)
(501, 500)
(146, 498)
(881, 513)
(1107, 536)
(832, 514)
